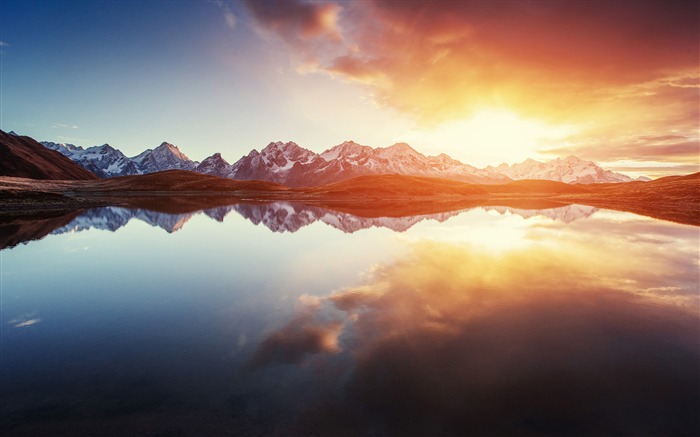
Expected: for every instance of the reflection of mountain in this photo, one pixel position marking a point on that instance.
(292, 216)
(276, 216)
(566, 214)
(16, 230)
(112, 218)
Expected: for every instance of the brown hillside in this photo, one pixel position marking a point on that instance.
(674, 198)
(180, 180)
(397, 185)
(23, 157)
(537, 187)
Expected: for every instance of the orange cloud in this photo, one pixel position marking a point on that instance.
(580, 63)
(297, 20)
(448, 57)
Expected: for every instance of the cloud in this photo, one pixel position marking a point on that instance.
(639, 150)
(24, 320)
(295, 20)
(575, 63)
(229, 17)
(64, 126)
(450, 56)
(3, 44)
(75, 140)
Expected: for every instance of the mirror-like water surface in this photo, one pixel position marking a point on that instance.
(487, 321)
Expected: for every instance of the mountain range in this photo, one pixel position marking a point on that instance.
(294, 166)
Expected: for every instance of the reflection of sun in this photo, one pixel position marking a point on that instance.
(491, 137)
(490, 231)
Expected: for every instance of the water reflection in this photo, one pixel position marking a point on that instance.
(278, 216)
(497, 321)
(450, 340)
(566, 214)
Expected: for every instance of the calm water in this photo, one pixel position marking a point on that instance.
(283, 319)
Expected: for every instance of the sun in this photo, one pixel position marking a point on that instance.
(490, 137)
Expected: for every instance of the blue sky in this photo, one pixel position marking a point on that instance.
(134, 74)
(486, 82)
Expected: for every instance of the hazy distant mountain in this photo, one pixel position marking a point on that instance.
(571, 170)
(294, 166)
(23, 157)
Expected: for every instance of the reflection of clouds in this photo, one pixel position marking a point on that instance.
(583, 338)
(24, 320)
(305, 334)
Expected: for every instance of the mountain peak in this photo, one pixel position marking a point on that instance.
(572, 158)
(401, 147)
(173, 149)
(398, 149)
(345, 149)
(215, 156)
(215, 165)
(167, 145)
(280, 145)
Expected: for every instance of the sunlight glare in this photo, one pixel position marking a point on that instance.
(490, 137)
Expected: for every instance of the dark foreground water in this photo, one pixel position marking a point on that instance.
(281, 319)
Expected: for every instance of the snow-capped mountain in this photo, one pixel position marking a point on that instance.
(289, 164)
(571, 170)
(164, 157)
(105, 161)
(284, 163)
(294, 166)
(215, 165)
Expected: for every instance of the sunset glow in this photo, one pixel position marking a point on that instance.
(486, 82)
(488, 136)
(349, 217)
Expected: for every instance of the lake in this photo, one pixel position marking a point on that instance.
(287, 319)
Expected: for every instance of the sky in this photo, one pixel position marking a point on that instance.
(613, 81)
